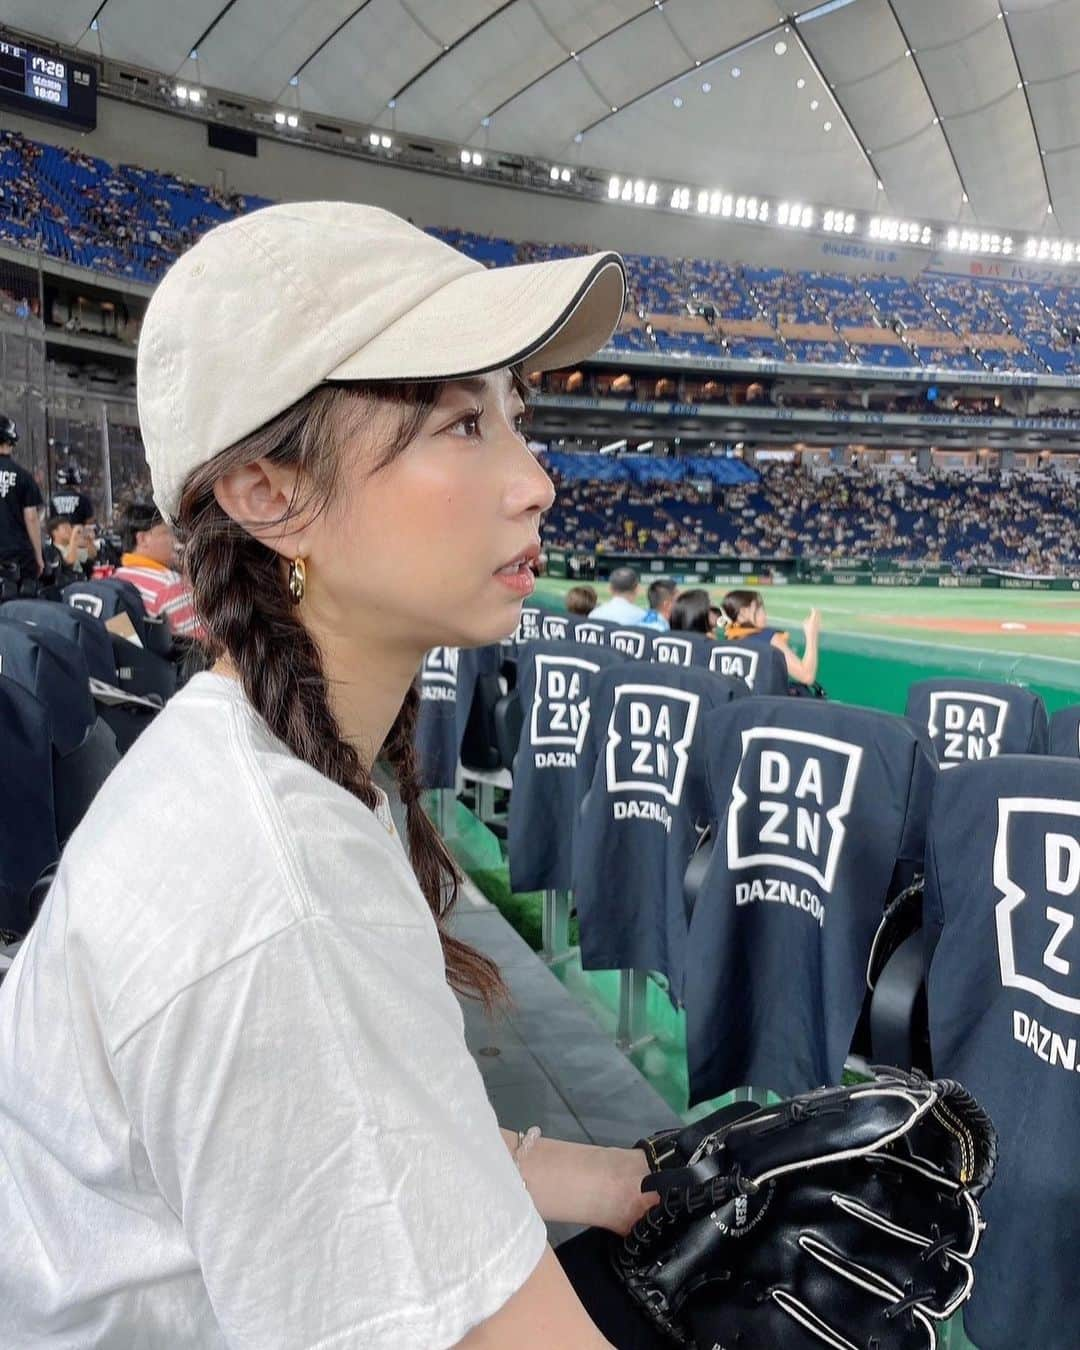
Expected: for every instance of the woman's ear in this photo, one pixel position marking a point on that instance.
(260, 496)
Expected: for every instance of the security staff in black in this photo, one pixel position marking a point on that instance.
(20, 498)
(68, 501)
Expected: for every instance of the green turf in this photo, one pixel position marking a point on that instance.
(898, 612)
(875, 642)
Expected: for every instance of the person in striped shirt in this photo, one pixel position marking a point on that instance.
(151, 562)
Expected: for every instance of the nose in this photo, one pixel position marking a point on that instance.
(529, 491)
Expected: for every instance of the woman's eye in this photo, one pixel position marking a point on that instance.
(468, 424)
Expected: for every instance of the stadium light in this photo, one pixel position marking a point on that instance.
(680, 199)
(477, 159)
(279, 118)
(613, 188)
(195, 95)
(373, 138)
(386, 142)
(292, 120)
(181, 92)
(838, 222)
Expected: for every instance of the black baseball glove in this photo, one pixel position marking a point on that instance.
(846, 1218)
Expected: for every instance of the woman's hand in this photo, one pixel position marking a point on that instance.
(627, 1168)
(584, 1183)
(812, 626)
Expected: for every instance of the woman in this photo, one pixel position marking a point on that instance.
(236, 1106)
(748, 622)
(692, 613)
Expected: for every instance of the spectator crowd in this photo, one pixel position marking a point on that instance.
(132, 221)
(1018, 521)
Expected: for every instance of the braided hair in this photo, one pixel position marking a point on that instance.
(241, 597)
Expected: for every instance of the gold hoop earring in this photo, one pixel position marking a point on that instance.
(297, 580)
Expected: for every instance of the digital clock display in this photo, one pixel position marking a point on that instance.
(43, 85)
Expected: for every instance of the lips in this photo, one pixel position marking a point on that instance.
(520, 560)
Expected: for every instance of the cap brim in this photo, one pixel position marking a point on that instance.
(546, 314)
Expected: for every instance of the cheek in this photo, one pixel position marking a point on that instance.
(418, 519)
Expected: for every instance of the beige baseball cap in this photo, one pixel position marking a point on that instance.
(267, 306)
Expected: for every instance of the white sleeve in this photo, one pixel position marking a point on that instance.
(313, 1117)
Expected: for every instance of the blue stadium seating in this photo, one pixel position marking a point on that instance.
(129, 221)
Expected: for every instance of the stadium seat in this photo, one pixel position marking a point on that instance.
(555, 626)
(977, 719)
(84, 746)
(554, 686)
(1065, 732)
(683, 649)
(643, 796)
(28, 841)
(142, 672)
(106, 598)
(448, 683)
(634, 644)
(77, 626)
(127, 711)
(479, 738)
(592, 632)
(54, 669)
(1002, 904)
(762, 669)
(819, 813)
(529, 624)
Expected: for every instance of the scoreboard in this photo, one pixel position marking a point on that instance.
(39, 84)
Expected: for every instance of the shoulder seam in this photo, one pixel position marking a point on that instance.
(269, 812)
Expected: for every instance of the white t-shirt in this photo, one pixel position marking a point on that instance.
(236, 1105)
(618, 610)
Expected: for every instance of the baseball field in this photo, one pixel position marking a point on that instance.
(875, 640)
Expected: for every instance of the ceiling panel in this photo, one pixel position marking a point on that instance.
(966, 60)
(59, 20)
(454, 64)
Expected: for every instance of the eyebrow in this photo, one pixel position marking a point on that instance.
(476, 384)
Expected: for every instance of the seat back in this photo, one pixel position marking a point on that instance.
(480, 747)
(977, 719)
(592, 632)
(77, 626)
(643, 794)
(762, 669)
(633, 644)
(28, 841)
(79, 775)
(682, 649)
(106, 599)
(528, 629)
(1002, 921)
(1064, 737)
(52, 668)
(813, 805)
(554, 687)
(448, 677)
(139, 671)
(555, 627)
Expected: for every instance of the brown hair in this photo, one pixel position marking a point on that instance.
(581, 600)
(735, 602)
(240, 593)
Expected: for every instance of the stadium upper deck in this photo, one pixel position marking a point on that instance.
(130, 222)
